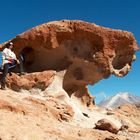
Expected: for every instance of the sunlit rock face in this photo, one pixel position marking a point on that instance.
(87, 52)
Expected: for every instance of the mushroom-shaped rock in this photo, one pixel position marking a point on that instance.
(87, 52)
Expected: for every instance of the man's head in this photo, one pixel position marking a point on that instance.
(10, 45)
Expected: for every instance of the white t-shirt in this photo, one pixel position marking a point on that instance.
(8, 56)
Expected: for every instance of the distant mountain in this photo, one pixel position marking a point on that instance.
(120, 99)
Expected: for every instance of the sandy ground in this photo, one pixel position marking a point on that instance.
(31, 117)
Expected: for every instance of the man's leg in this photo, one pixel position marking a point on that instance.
(12, 66)
(3, 79)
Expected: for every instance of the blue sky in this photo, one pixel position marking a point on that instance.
(16, 16)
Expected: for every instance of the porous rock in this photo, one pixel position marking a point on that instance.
(88, 53)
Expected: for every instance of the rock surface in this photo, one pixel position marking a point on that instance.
(105, 124)
(51, 101)
(33, 116)
(86, 51)
(40, 80)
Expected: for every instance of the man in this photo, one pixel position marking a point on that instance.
(9, 61)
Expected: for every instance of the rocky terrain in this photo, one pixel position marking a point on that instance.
(51, 101)
(36, 116)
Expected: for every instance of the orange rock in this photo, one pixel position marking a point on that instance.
(13, 108)
(88, 53)
(39, 80)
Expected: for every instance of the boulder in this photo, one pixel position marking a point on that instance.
(40, 80)
(105, 124)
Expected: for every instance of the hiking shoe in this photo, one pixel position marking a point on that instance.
(2, 88)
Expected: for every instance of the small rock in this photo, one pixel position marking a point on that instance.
(105, 124)
(111, 138)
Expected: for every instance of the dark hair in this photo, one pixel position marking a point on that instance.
(9, 44)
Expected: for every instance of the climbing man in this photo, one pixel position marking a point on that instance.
(9, 61)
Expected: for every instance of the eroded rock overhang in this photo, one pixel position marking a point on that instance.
(86, 51)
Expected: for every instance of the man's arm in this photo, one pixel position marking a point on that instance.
(17, 61)
(3, 58)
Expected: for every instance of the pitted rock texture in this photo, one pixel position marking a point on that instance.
(86, 51)
(40, 80)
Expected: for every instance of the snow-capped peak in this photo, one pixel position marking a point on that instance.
(120, 99)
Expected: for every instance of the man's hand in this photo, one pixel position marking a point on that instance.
(17, 61)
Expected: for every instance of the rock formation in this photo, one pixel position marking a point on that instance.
(86, 51)
(104, 124)
(60, 59)
(34, 80)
